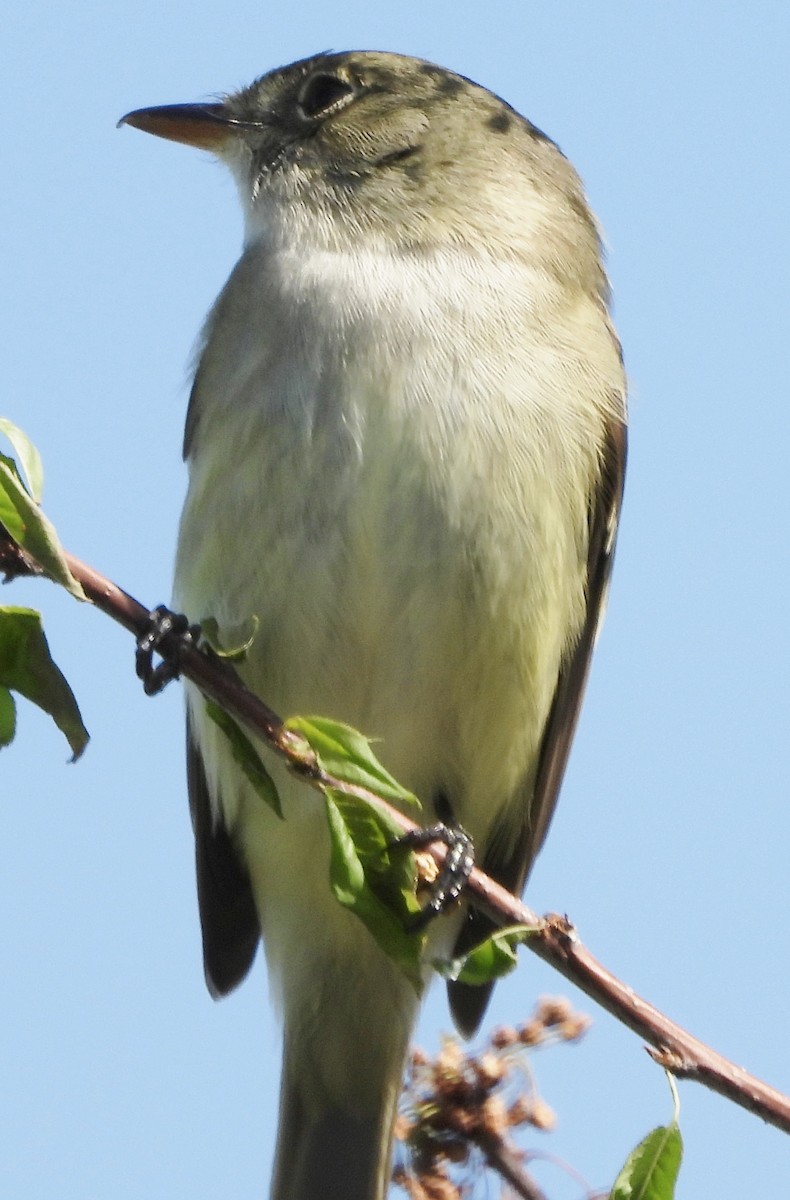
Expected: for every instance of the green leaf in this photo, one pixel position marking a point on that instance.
(246, 756)
(7, 717)
(374, 879)
(31, 530)
(489, 960)
(651, 1170)
(240, 638)
(376, 839)
(9, 516)
(28, 456)
(346, 754)
(26, 667)
(346, 873)
(370, 873)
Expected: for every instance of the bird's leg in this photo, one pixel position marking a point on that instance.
(166, 636)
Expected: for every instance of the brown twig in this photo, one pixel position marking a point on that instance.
(507, 1163)
(553, 939)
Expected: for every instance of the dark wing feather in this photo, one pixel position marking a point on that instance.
(510, 864)
(228, 918)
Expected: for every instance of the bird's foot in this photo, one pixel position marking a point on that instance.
(454, 872)
(169, 633)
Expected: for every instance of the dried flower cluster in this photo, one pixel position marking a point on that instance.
(459, 1108)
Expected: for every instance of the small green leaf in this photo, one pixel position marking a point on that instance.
(651, 1170)
(376, 838)
(373, 879)
(26, 667)
(234, 643)
(28, 456)
(246, 756)
(7, 717)
(489, 960)
(346, 873)
(31, 530)
(9, 516)
(346, 754)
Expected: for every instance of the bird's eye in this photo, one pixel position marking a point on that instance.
(323, 93)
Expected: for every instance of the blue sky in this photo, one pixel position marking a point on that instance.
(119, 1076)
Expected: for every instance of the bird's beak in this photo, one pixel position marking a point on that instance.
(206, 126)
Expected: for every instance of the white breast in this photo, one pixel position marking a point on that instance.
(391, 469)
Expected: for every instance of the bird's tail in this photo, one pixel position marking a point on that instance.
(332, 1150)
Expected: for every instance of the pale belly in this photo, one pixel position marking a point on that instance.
(376, 608)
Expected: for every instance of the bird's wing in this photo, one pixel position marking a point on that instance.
(228, 917)
(507, 861)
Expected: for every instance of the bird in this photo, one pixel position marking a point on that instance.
(406, 442)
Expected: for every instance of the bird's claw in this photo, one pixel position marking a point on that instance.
(454, 872)
(167, 636)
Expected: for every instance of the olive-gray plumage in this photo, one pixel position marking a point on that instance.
(406, 442)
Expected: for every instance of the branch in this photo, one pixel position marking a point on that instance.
(507, 1163)
(554, 939)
